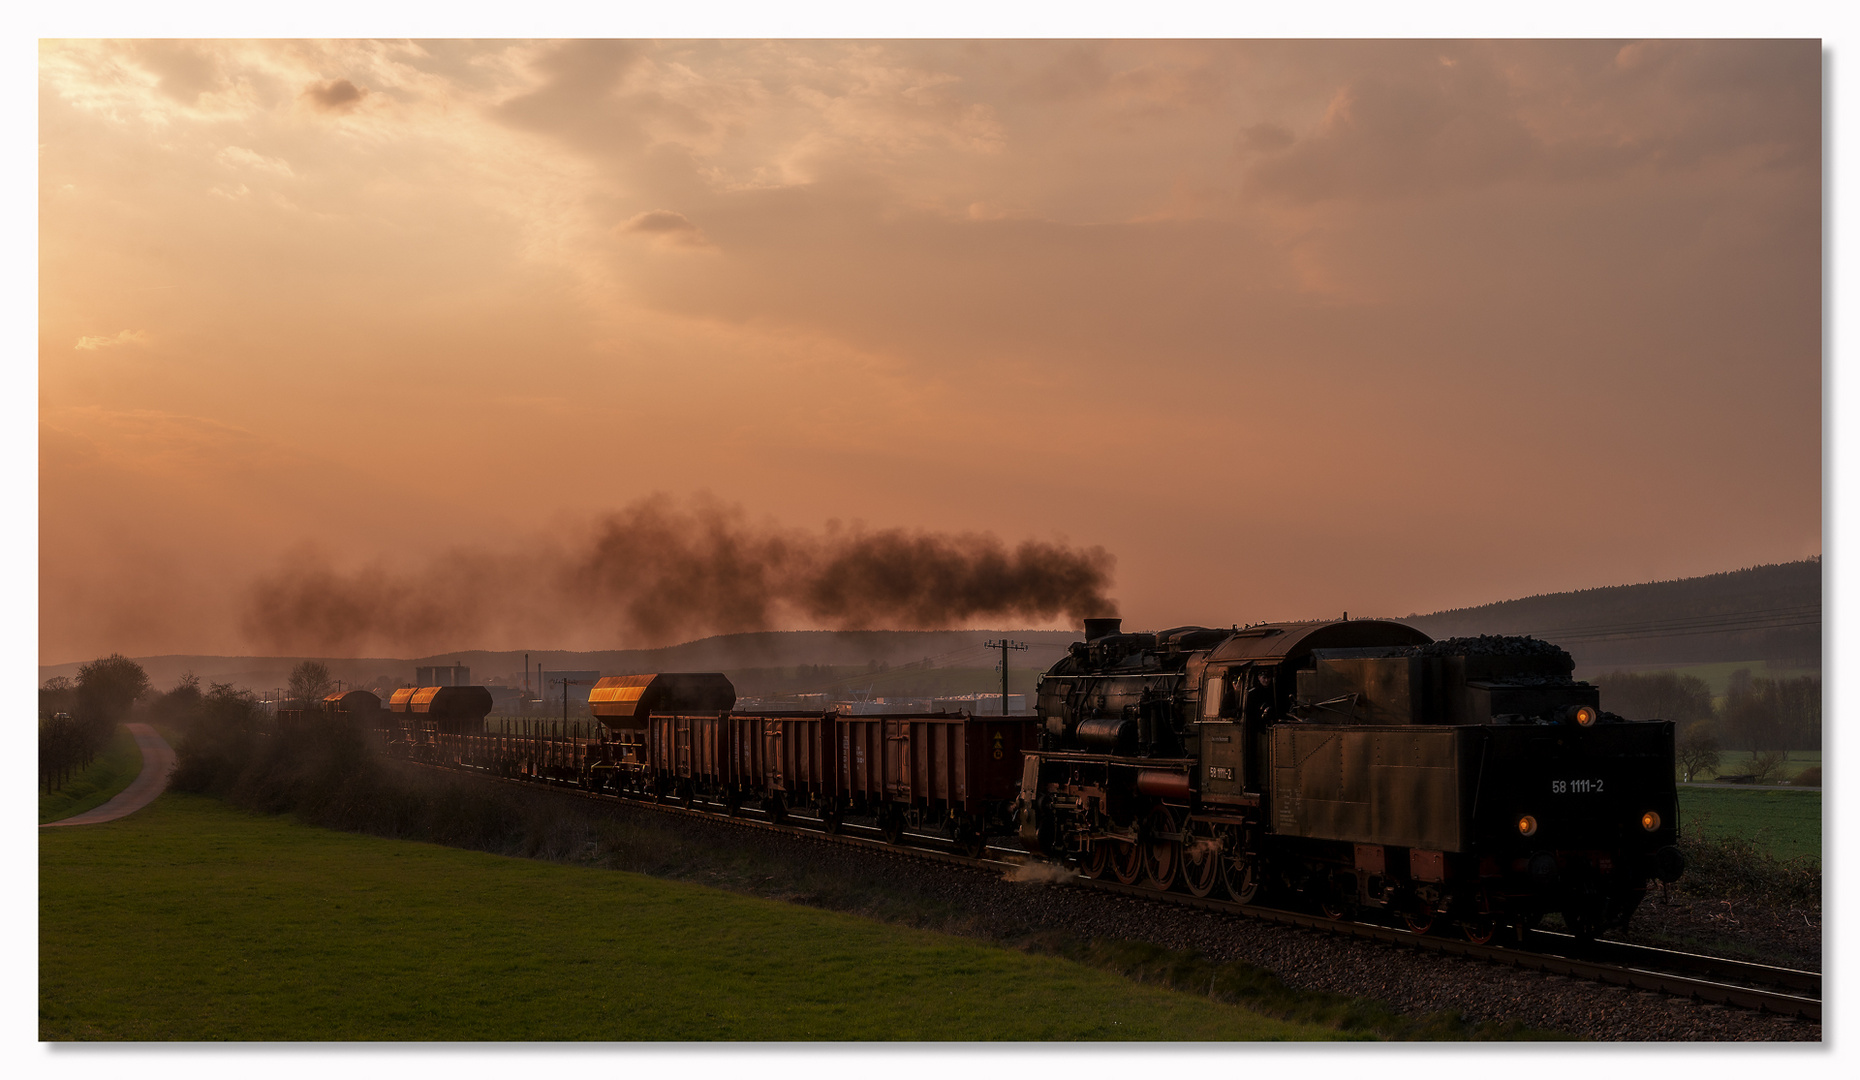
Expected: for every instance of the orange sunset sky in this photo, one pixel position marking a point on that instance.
(1285, 328)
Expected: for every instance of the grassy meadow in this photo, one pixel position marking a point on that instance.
(194, 921)
(115, 769)
(1786, 824)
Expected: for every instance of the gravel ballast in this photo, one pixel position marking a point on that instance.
(990, 905)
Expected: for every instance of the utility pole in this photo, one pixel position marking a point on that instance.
(1004, 645)
(565, 685)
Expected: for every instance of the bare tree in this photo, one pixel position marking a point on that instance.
(1697, 750)
(1766, 764)
(310, 683)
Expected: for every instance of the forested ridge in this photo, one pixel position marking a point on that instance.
(1763, 613)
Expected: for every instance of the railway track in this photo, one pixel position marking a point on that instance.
(1719, 980)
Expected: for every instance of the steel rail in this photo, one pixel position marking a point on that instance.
(1639, 967)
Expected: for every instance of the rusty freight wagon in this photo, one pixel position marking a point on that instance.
(779, 760)
(952, 770)
(357, 703)
(716, 756)
(624, 705)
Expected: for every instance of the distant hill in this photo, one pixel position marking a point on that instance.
(730, 653)
(1763, 613)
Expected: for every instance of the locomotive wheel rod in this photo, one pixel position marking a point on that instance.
(1634, 967)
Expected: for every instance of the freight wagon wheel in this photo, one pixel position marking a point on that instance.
(830, 821)
(1099, 861)
(1240, 873)
(972, 842)
(1418, 922)
(1126, 862)
(1161, 858)
(1479, 930)
(892, 826)
(1201, 860)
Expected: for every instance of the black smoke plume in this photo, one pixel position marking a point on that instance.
(657, 572)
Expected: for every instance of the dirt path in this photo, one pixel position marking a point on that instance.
(157, 760)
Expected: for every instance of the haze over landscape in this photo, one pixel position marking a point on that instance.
(392, 348)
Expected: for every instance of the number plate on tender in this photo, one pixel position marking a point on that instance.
(1220, 772)
(1576, 787)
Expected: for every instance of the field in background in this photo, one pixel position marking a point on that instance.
(1787, 824)
(193, 921)
(1717, 676)
(1737, 762)
(115, 769)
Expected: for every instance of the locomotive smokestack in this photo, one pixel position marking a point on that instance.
(1097, 628)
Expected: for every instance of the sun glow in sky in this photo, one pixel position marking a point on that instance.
(1288, 328)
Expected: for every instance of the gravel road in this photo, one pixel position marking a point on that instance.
(157, 762)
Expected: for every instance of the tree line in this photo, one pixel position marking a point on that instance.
(78, 716)
(1768, 717)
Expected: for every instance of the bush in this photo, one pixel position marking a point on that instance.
(1732, 866)
(1765, 764)
(326, 773)
(1809, 777)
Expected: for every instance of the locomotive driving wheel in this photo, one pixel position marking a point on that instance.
(1161, 858)
(1240, 872)
(1126, 861)
(1098, 862)
(1201, 859)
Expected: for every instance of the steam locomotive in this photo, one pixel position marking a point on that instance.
(1357, 765)
(1360, 765)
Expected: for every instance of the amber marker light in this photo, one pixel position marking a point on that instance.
(1585, 716)
(1527, 826)
(1650, 820)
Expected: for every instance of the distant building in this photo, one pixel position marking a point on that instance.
(981, 704)
(448, 675)
(881, 706)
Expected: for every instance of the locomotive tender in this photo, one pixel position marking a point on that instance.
(1360, 764)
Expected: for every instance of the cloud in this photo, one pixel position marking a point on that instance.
(668, 225)
(239, 157)
(334, 95)
(127, 337)
(1266, 137)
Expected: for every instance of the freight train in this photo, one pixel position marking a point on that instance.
(1356, 766)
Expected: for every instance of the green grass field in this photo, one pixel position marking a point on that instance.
(1785, 823)
(115, 769)
(192, 921)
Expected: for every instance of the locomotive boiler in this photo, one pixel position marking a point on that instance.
(1359, 764)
